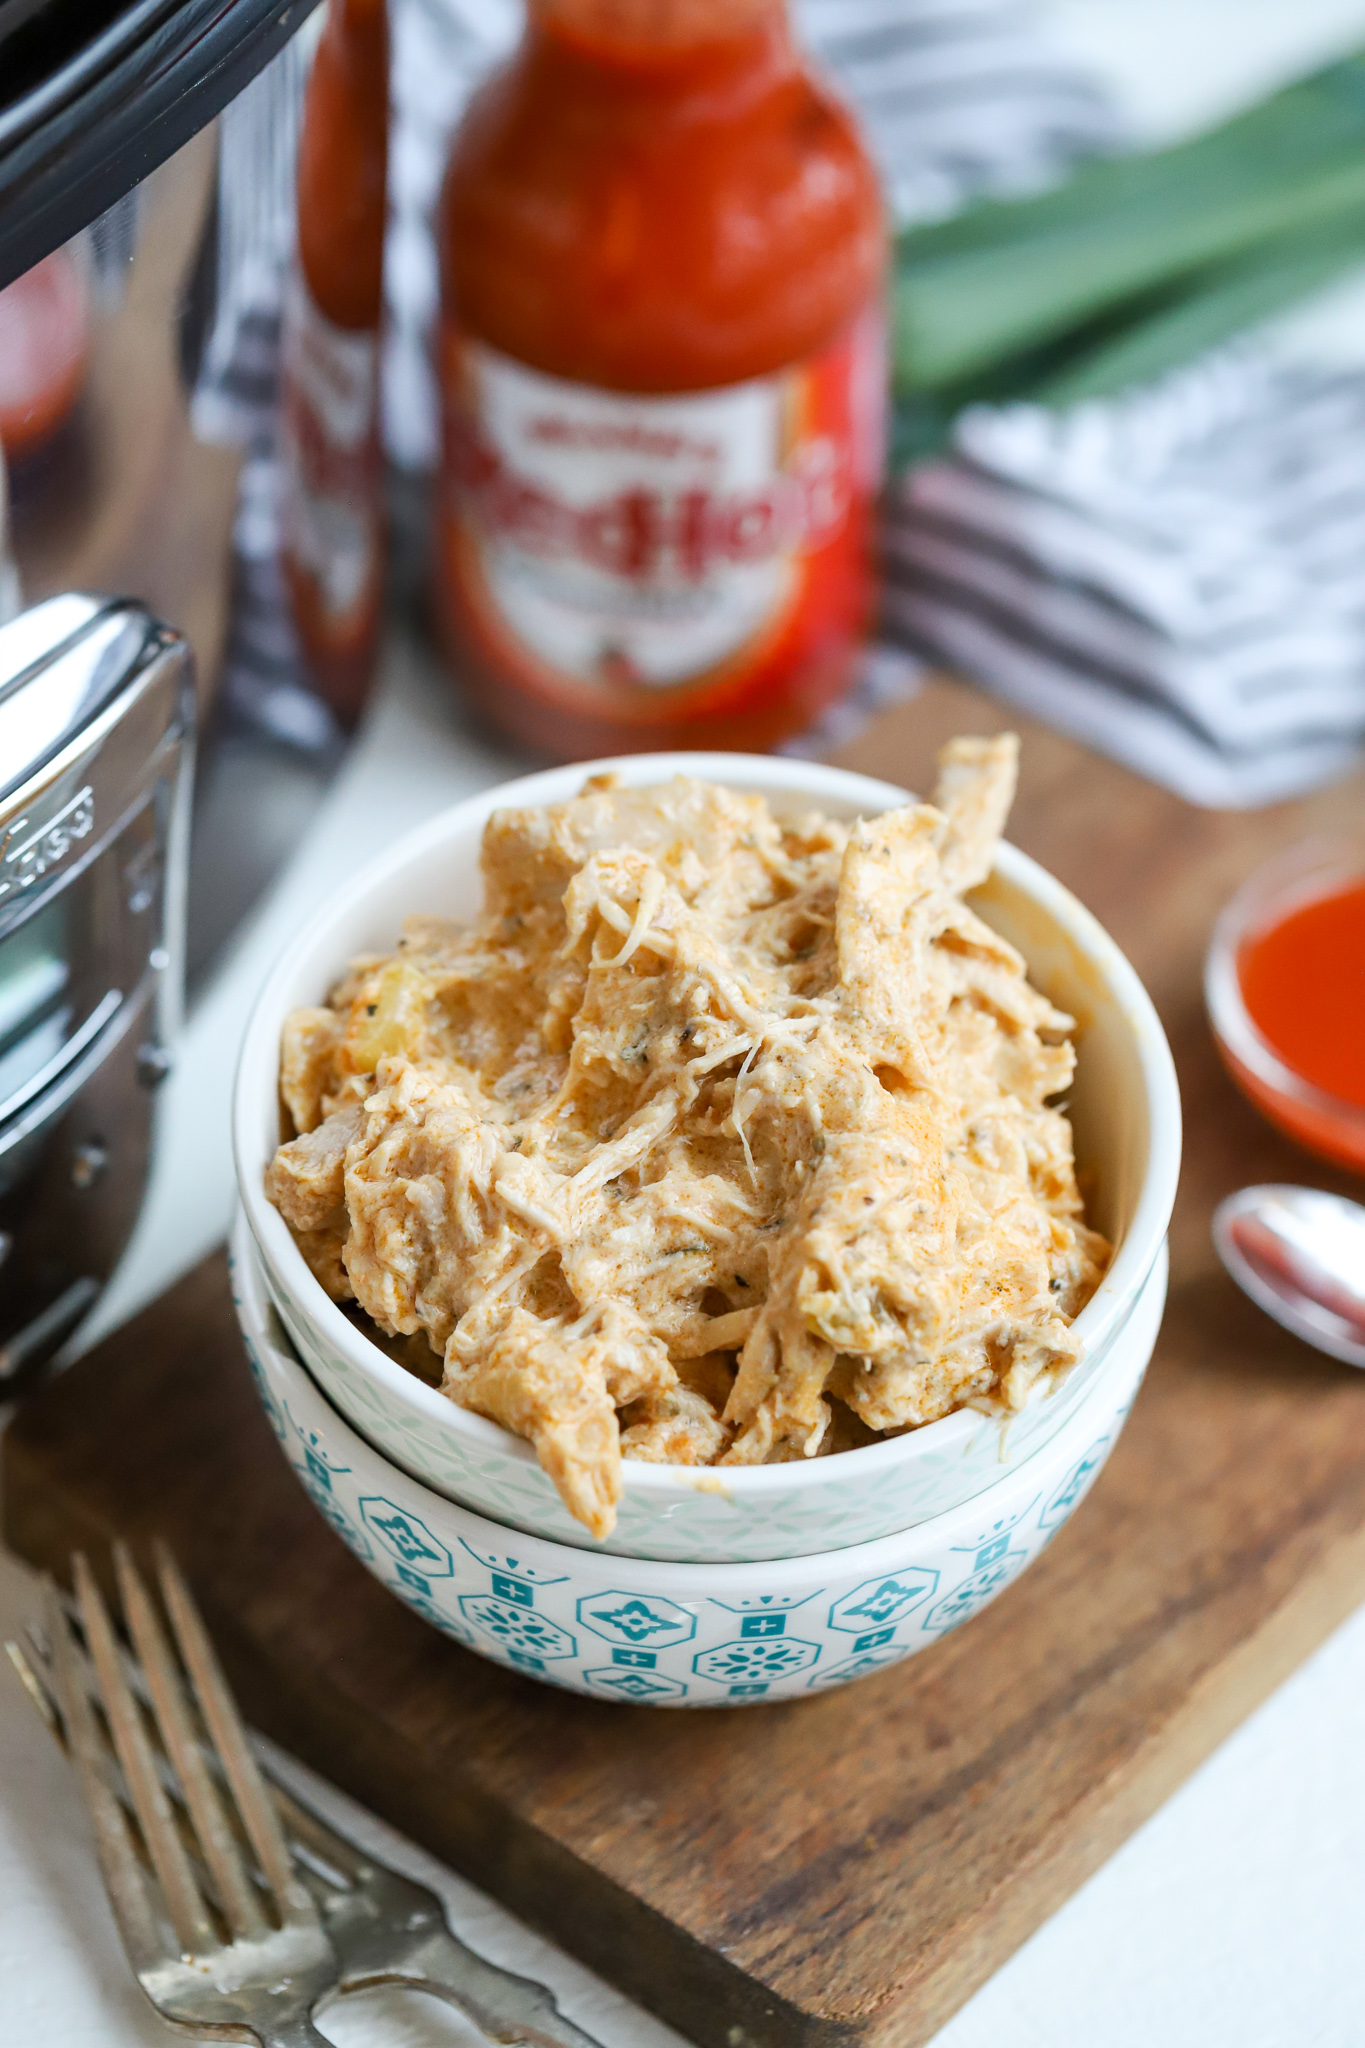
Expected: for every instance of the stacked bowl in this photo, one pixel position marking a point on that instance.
(718, 1585)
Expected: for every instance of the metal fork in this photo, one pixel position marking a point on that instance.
(251, 1965)
(383, 1928)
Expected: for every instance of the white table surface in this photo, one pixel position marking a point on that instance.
(1233, 1919)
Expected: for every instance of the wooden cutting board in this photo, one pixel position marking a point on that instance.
(850, 1868)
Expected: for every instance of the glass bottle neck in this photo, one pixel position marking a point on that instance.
(645, 35)
(356, 21)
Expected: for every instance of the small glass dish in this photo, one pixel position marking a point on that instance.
(1323, 1122)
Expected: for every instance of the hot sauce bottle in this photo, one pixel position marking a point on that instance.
(332, 512)
(661, 368)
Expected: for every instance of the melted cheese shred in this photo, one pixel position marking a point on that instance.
(714, 1140)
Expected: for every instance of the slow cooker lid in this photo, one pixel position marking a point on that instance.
(94, 94)
(62, 664)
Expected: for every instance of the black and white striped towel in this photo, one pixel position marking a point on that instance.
(1176, 577)
(1172, 576)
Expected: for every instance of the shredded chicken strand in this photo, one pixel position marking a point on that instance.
(716, 1139)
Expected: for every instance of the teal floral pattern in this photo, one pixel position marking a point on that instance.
(636, 1632)
(643, 1633)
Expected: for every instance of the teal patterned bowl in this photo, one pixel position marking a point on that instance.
(679, 1635)
(1124, 1107)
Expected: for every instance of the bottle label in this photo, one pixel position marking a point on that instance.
(599, 545)
(331, 524)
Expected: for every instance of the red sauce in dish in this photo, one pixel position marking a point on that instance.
(1303, 983)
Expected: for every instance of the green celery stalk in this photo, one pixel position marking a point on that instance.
(1223, 304)
(1316, 120)
(1140, 340)
(922, 421)
(1007, 276)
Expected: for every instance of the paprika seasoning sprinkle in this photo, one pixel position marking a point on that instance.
(661, 362)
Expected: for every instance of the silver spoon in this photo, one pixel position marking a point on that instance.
(1300, 1254)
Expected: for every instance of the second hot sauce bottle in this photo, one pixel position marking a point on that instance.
(332, 512)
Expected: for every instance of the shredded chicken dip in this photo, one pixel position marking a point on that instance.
(715, 1140)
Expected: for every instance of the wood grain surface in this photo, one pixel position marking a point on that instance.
(850, 1868)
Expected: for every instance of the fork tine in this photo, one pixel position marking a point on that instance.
(184, 1905)
(311, 1834)
(123, 1875)
(337, 1861)
(34, 1670)
(303, 1830)
(211, 1825)
(219, 1710)
(33, 1685)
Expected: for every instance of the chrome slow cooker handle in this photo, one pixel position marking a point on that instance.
(96, 743)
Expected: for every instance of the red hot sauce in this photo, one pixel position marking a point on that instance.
(1303, 982)
(662, 380)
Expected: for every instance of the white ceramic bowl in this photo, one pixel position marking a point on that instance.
(1124, 1106)
(679, 1635)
